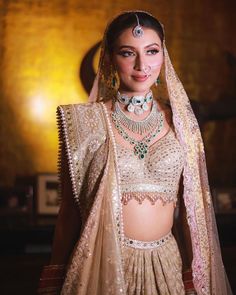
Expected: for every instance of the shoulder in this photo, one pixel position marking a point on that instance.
(165, 107)
(79, 107)
(83, 118)
(81, 112)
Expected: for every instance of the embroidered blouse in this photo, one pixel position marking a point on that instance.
(154, 177)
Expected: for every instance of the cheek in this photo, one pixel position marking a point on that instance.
(123, 66)
(156, 63)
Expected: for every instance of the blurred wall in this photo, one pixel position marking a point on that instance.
(43, 43)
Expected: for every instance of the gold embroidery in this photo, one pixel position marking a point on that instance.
(155, 177)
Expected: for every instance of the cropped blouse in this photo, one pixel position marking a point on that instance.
(154, 177)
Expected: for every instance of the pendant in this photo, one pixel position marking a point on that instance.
(138, 111)
(130, 108)
(137, 31)
(141, 149)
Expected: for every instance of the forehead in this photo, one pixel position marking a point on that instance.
(150, 36)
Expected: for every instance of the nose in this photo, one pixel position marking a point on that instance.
(139, 63)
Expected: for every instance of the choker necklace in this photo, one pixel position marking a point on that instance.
(139, 127)
(137, 103)
(141, 147)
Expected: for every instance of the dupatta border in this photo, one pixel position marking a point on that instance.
(75, 122)
(117, 205)
(66, 139)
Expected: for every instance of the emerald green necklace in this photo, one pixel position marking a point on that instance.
(141, 147)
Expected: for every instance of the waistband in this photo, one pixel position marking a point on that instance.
(137, 244)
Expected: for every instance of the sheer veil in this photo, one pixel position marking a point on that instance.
(208, 271)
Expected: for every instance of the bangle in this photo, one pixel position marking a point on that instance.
(51, 279)
(188, 282)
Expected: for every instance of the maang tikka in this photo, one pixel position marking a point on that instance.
(137, 30)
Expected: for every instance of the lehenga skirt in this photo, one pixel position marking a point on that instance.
(153, 268)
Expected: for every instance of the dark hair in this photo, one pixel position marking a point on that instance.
(128, 20)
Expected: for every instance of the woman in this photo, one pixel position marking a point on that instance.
(121, 160)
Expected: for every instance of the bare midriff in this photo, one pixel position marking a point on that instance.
(147, 222)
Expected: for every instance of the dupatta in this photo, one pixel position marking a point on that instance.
(96, 263)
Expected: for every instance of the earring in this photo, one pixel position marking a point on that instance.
(114, 81)
(158, 81)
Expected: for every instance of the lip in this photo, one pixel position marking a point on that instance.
(142, 78)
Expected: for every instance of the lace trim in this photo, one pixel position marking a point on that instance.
(151, 196)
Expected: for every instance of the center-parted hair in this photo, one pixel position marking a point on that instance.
(129, 20)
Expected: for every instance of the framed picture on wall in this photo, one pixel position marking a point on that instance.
(47, 194)
(224, 200)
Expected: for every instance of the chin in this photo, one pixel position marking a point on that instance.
(138, 88)
(141, 88)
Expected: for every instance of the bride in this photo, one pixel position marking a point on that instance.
(125, 226)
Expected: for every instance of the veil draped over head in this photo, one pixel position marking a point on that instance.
(209, 276)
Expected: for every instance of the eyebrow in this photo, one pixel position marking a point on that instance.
(129, 46)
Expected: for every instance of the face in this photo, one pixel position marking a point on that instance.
(138, 61)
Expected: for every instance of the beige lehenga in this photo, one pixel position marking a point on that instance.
(153, 268)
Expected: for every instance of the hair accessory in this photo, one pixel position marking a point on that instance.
(136, 104)
(137, 31)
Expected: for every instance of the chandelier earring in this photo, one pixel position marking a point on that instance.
(158, 81)
(114, 79)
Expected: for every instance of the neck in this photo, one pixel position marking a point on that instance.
(132, 93)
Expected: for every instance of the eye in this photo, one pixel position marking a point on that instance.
(126, 53)
(152, 51)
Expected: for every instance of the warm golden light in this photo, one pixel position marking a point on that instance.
(39, 106)
(43, 44)
(42, 58)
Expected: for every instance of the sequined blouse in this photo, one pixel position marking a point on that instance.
(154, 177)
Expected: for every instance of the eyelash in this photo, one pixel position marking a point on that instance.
(153, 51)
(127, 53)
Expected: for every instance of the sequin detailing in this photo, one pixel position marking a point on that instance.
(81, 132)
(137, 244)
(157, 176)
(155, 271)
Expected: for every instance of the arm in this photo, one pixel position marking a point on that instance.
(187, 255)
(187, 250)
(68, 223)
(184, 240)
(67, 232)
